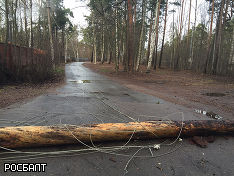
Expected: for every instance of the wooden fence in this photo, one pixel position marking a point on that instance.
(23, 64)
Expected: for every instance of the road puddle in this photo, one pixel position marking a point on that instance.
(215, 94)
(80, 81)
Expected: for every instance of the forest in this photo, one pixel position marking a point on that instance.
(39, 24)
(179, 35)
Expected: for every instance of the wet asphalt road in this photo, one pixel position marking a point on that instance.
(88, 98)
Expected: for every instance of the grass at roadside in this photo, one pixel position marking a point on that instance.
(13, 92)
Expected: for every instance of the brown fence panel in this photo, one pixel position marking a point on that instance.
(22, 63)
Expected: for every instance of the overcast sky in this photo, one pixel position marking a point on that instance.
(80, 10)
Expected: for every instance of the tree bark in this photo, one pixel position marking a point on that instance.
(179, 37)
(36, 136)
(15, 26)
(172, 61)
(231, 56)
(192, 40)
(116, 41)
(218, 38)
(130, 36)
(7, 20)
(51, 38)
(141, 42)
(232, 7)
(134, 36)
(164, 32)
(149, 39)
(26, 24)
(31, 26)
(65, 51)
(103, 42)
(209, 40)
(94, 42)
(154, 36)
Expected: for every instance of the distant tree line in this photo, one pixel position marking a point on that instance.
(137, 32)
(28, 22)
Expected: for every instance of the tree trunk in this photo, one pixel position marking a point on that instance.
(94, 42)
(149, 39)
(7, 20)
(141, 42)
(26, 24)
(218, 38)
(134, 36)
(31, 26)
(103, 42)
(15, 28)
(172, 62)
(232, 7)
(95, 49)
(164, 32)
(188, 60)
(116, 41)
(179, 37)
(231, 56)
(65, 51)
(36, 136)
(51, 38)
(192, 41)
(154, 36)
(130, 36)
(209, 39)
(190, 8)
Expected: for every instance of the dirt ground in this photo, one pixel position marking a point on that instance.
(18, 92)
(192, 90)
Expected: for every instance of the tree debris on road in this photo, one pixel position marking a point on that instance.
(35, 136)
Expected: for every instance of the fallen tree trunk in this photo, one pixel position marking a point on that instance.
(35, 136)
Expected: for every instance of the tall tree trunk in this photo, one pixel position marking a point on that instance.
(103, 42)
(192, 40)
(218, 38)
(26, 24)
(179, 37)
(231, 56)
(15, 26)
(130, 36)
(232, 8)
(7, 20)
(95, 49)
(65, 49)
(226, 13)
(149, 39)
(188, 60)
(209, 39)
(173, 42)
(141, 42)
(94, 42)
(39, 31)
(164, 32)
(108, 52)
(156, 39)
(116, 41)
(154, 36)
(155, 58)
(50, 34)
(31, 25)
(134, 36)
(190, 7)
(39, 25)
